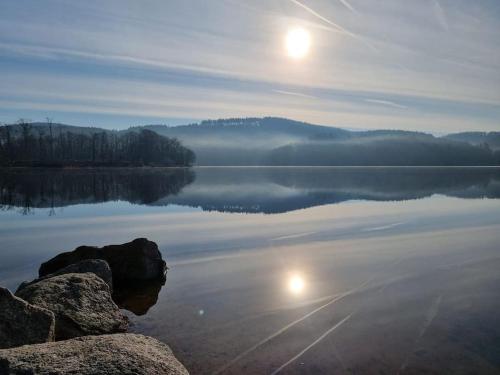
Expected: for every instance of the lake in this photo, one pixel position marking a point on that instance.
(286, 270)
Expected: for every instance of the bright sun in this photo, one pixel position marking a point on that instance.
(297, 43)
(296, 284)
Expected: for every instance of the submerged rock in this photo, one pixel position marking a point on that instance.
(139, 259)
(22, 323)
(81, 303)
(93, 355)
(96, 266)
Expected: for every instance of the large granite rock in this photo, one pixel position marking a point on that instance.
(22, 323)
(81, 303)
(136, 260)
(93, 355)
(96, 266)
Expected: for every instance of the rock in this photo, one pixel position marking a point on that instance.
(96, 266)
(22, 323)
(136, 260)
(93, 355)
(81, 303)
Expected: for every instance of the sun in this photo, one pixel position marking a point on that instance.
(297, 43)
(296, 284)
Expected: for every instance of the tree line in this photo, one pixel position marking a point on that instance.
(390, 151)
(25, 144)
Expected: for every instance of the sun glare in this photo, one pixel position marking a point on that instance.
(297, 43)
(296, 284)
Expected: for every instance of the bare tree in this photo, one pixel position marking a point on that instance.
(26, 133)
(51, 139)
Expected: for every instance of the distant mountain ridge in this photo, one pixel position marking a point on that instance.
(280, 141)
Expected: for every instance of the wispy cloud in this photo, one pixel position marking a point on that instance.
(294, 94)
(387, 103)
(435, 66)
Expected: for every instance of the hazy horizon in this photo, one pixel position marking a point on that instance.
(428, 66)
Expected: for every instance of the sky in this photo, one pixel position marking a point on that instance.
(427, 65)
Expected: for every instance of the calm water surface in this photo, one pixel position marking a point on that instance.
(286, 270)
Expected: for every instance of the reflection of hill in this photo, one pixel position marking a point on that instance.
(57, 188)
(275, 190)
(251, 190)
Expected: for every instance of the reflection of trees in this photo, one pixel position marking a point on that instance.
(276, 190)
(30, 189)
(393, 183)
(268, 190)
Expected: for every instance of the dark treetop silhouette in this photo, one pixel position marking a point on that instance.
(55, 145)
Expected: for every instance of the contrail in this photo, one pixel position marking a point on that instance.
(388, 226)
(294, 358)
(314, 13)
(292, 235)
(294, 94)
(331, 23)
(348, 6)
(440, 15)
(288, 326)
(387, 103)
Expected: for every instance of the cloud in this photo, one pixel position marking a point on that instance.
(435, 64)
(294, 94)
(386, 103)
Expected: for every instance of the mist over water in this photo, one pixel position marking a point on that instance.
(302, 270)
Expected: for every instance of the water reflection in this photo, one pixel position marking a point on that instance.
(138, 297)
(249, 190)
(51, 188)
(416, 279)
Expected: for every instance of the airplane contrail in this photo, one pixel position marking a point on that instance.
(315, 342)
(348, 6)
(292, 235)
(440, 15)
(314, 13)
(294, 94)
(331, 23)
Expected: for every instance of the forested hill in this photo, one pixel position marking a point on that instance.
(492, 139)
(279, 141)
(32, 144)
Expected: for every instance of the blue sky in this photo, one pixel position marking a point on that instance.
(430, 65)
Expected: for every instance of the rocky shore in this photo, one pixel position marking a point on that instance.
(67, 321)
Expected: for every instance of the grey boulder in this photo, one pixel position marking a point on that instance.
(81, 303)
(22, 323)
(96, 266)
(93, 355)
(139, 259)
